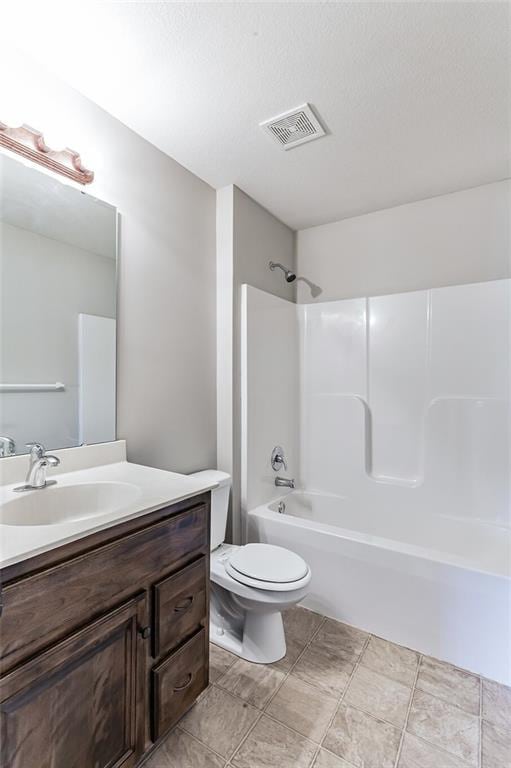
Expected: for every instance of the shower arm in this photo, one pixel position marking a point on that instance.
(288, 273)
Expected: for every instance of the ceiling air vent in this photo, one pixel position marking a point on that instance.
(294, 127)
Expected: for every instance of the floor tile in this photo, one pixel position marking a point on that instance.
(300, 623)
(303, 707)
(325, 669)
(180, 750)
(294, 648)
(390, 659)
(449, 683)
(270, 745)
(255, 683)
(496, 748)
(220, 661)
(341, 638)
(327, 760)
(220, 721)
(445, 725)
(497, 704)
(416, 753)
(362, 740)
(379, 695)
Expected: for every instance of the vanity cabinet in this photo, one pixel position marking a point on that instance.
(104, 641)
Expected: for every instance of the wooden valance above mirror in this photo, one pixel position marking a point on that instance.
(29, 143)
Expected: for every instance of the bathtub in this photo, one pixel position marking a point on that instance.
(434, 583)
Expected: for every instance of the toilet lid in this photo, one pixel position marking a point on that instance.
(268, 563)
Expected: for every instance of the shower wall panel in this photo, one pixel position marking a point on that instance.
(405, 400)
(269, 393)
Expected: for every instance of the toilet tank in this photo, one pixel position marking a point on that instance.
(219, 503)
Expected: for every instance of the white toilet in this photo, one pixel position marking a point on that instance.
(250, 586)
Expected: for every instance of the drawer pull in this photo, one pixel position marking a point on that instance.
(145, 632)
(184, 606)
(185, 684)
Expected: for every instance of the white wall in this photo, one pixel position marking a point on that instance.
(248, 237)
(166, 337)
(463, 237)
(405, 401)
(269, 393)
(44, 284)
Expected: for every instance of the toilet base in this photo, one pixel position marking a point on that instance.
(260, 638)
(247, 620)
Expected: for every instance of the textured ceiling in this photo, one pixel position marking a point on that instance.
(415, 95)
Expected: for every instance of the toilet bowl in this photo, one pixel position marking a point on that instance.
(245, 608)
(250, 586)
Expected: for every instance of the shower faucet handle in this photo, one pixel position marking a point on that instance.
(278, 459)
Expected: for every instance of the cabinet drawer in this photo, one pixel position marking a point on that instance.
(177, 682)
(180, 605)
(42, 608)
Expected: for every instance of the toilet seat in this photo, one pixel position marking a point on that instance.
(268, 567)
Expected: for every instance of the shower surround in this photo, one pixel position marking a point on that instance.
(398, 434)
(405, 400)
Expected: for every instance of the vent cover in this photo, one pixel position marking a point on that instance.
(294, 127)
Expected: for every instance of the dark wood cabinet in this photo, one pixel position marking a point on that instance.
(95, 581)
(76, 704)
(104, 649)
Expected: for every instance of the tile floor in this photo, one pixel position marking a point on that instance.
(341, 699)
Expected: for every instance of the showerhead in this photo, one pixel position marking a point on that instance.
(290, 276)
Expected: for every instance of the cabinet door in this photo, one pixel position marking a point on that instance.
(79, 704)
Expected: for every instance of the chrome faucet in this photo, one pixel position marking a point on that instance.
(278, 460)
(284, 482)
(39, 461)
(7, 446)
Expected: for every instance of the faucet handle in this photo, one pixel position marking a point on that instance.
(37, 450)
(7, 446)
(278, 459)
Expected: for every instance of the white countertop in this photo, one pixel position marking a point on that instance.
(158, 488)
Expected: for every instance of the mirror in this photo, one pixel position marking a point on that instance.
(58, 251)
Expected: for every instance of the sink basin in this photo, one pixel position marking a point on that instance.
(59, 504)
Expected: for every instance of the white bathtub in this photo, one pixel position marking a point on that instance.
(436, 584)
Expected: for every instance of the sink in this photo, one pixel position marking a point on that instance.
(59, 504)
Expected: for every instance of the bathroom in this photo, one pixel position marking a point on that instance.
(254, 385)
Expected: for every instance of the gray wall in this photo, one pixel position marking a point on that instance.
(248, 237)
(166, 345)
(167, 361)
(463, 237)
(259, 238)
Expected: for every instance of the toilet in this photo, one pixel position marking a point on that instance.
(250, 586)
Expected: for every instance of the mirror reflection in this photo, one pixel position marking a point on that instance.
(58, 249)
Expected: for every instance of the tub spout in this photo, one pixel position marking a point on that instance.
(284, 482)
